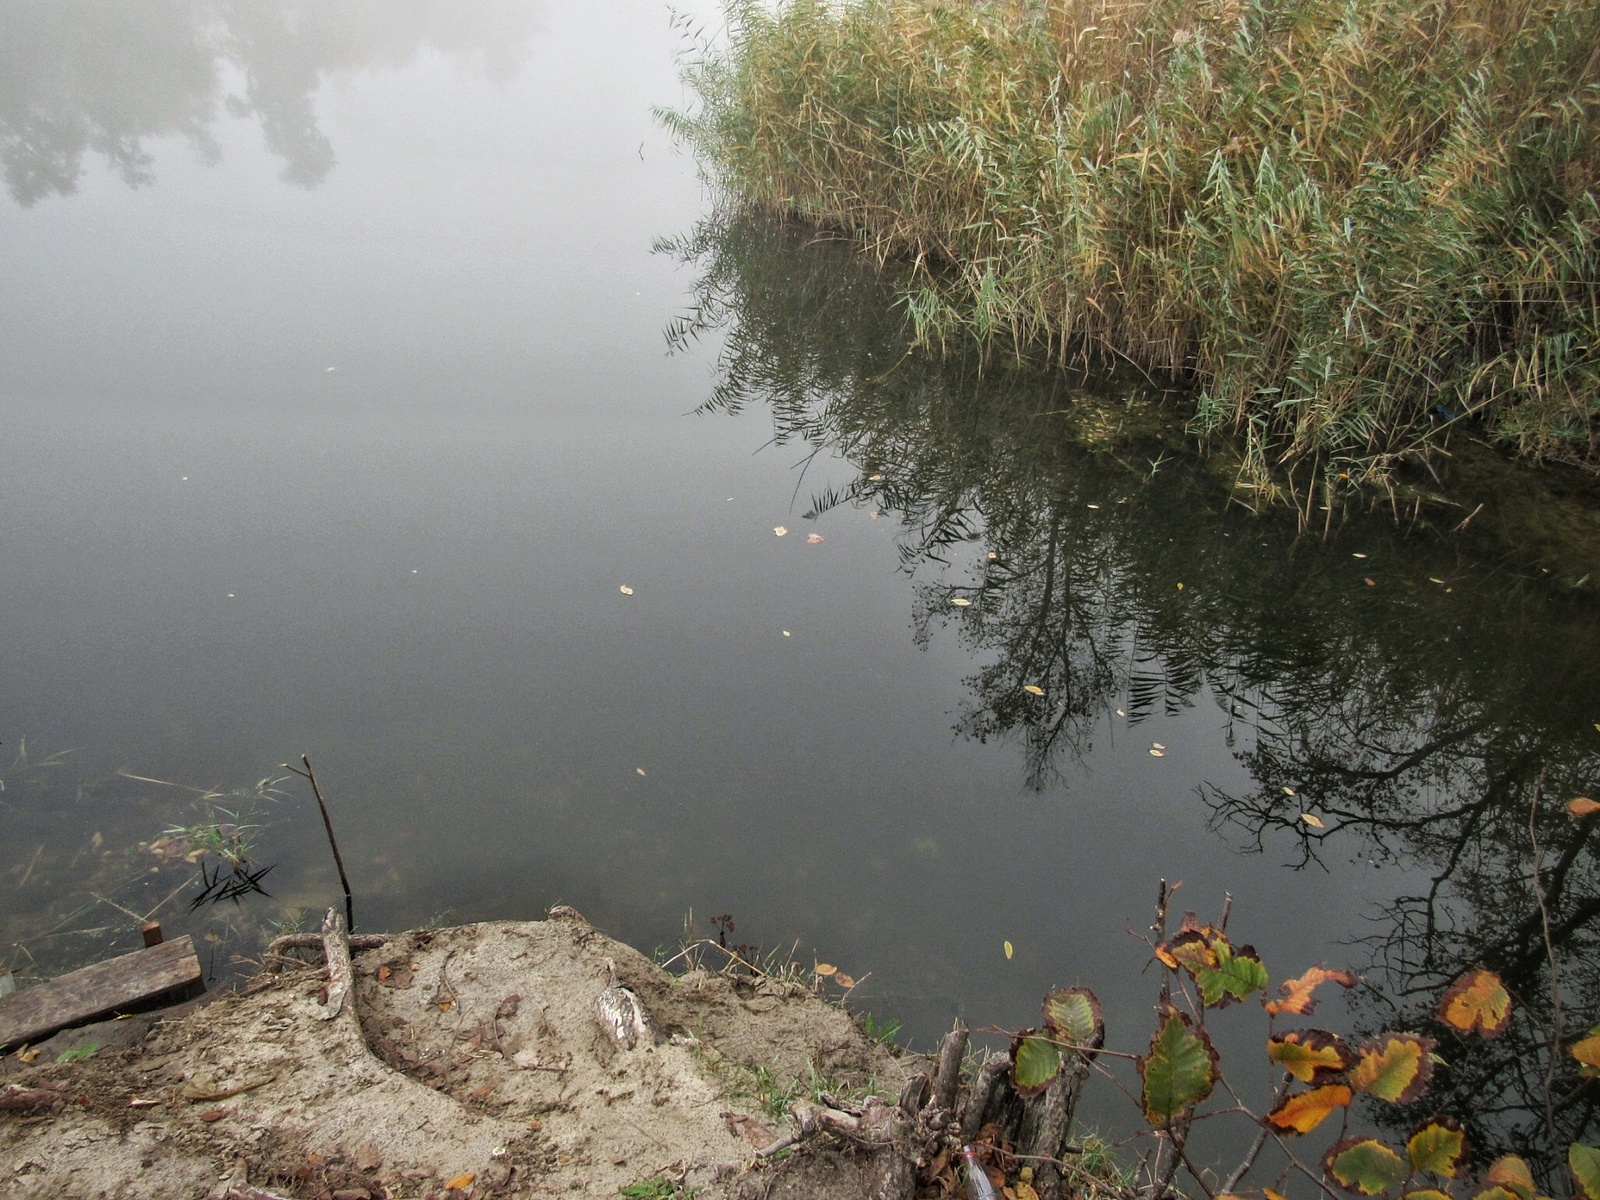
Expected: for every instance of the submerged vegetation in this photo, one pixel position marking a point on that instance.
(1348, 224)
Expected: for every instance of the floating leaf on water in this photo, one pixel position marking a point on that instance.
(779, 530)
(813, 538)
(1312, 1056)
(1370, 582)
(1009, 950)
(1583, 806)
(875, 478)
(1094, 506)
(993, 555)
(843, 980)
(1432, 579)
(1438, 1147)
(824, 969)
(1120, 713)
(1476, 1003)
(1304, 1111)
(1180, 587)
(1157, 746)
(1179, 1071)
(1511, 1173)
(639, 771)
(1364, 1166)
(786, 633)
(1358, 555)
(1394, 1067)
(1034, 688)
(960, 601)
(1313, 820)
(1154, 753)
(1297, 993)
(1288, 791)
(625, 590)
(1035, 1061)
(1584, 1161)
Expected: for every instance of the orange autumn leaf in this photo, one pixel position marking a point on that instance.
(1583, 806)
(1272, 1195)
(1587, 1051)
(1394, 1067)
(1310, 1055)
(1191, 948)
(461, 1182)
(1303, 1112)
(1511, 1173)
(1297, 993)
(1476, 1003)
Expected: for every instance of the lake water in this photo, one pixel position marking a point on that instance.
(348, 410)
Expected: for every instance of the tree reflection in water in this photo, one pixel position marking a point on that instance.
(1416, 715)
(106, 77)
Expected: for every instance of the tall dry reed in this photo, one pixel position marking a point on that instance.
(1348, 222)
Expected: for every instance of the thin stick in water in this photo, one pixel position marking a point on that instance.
(338, 860)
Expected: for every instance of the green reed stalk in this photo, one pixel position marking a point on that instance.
(1347, 222)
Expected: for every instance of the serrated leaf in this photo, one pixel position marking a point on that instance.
(1494, 1192)
(1179, 1071)
(1426, 1194)
(1584, 1162)
(1438, 1147)
(1476, 1003)
(1311, 1055)
(1587, 1052)
(1364, 1166)
(1191, 949)
(1304, 1111)
(1297, 993)
(1074, 1016)
(1511, 1173)
(1395, 1067)
(1035, 1061)
(1237, 974)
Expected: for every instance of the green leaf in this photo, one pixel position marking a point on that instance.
(1364, 1166)
(1237, 974)
(1074, 1016)
(1426, 1194)
(1179, 1071)
(1438, 1146)
(1585, 1164)
(1394, 1066)
(1035, 1061)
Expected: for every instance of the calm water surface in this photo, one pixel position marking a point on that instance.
(345, 387)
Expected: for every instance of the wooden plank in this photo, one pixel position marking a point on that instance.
(70, 999)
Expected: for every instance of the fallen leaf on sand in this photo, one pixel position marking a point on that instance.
(461, 1182)
(216, 1114)
(368, 1157)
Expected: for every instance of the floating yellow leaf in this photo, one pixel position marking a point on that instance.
(1033, 688)
(824, 969)
(1154, 753)
(1288, 791)
(1476, 1003)
(1583, 806)
(1157, 746)
(779, 530)
(1009, 950)
(1303, 1112)
(460, 1182)
(1358, 555)
(639, 771)
(626, 590)
(960, 601)
(1313, 820)
(1180, 587)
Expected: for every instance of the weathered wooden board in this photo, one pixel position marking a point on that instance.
(34, 1012)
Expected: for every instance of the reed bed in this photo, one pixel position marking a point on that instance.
(1349, 224)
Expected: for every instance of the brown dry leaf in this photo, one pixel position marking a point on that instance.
(27, 1055)
(484, 1092)
(368, 1157)
(1583, 806)
(1297, 997)
(843, 980)
(384, 973)
(215, 1114)
(460, 1182)
(508, 1007)
(446, 1005)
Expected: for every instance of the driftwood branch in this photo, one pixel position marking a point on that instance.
(336, 952)
(310, 776)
